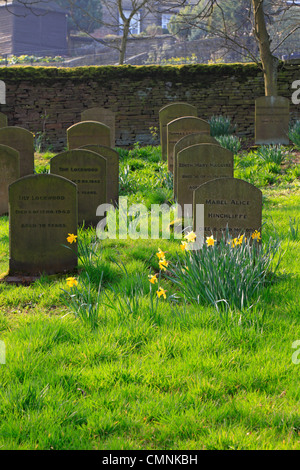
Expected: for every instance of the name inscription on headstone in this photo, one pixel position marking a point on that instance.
(229, 204)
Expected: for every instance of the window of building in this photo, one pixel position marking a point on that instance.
(135, 23)
(165, 19)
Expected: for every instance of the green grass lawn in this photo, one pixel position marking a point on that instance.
(168, 375)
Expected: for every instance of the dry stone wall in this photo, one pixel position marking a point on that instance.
(135, 94)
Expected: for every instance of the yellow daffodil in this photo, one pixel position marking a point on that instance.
(239, 241)
(190, 237)
(161, 292)
(256, 235)
(160, 254)
(152, 278)
(184, 245)
(71, 238)
(163, 264)
(210, 241)
(234, 242)
(72, 281)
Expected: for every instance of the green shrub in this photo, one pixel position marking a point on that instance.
(229, 274)
(294, 134)
(230, 142)
(220, 125)
(272, 153)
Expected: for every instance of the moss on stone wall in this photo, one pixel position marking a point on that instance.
(135, 73)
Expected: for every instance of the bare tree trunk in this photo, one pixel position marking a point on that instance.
(269, 62)
(123, 46)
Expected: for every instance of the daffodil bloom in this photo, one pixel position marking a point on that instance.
(190, 237)
(234, 242)
(71, 238)
(163, 264)
(152, 278)
(160, 254)
(72, 281)
(256, 235)
(239, 241)
(210, 241)
(184, 245)
(161, 292)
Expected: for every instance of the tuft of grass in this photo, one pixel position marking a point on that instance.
(294, 134)
(230, 142)
(220, 126)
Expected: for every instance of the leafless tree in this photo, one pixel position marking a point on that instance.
(259, 16)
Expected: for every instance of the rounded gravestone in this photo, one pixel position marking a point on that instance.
(42, 212)
(187, 141)
(228, 203)
(198, 164)
(179, 128)
(87, 170)
(23, 141)
(9, 172)
(168, 113)
(88, 132)
(112, 170)
(103, 115)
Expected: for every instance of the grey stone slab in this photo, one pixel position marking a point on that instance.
(168, 113)
(187, 141)
(112, 170)
(228, 202)
(198, 164)
(9, 172)
(180, 127)
(3, 120)
(42, 212)
(87, 170)
(86, 133)
(103, 115)
(23, 141)
(272, 117)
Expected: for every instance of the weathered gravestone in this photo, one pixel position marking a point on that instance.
(198, 164)
(179, 128)
(9, 172)
(88, 132)
(228, 202)
(2, 92)
(187, 141)
(272, 116)
(21, 140)
(103, 115)
(169, 113)
(3, 120)
(88, 170)
(112, 170)
(42, 212)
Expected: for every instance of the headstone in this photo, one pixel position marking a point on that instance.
(104, 115)
(2, 92)
(3, 120)
(179, 128)
(169, 113)
(198, 164)
(88, 170)
(228, 202)
(272, 116)
(112, 170)
(42, 212)
(9, 172)
(88, 132)
(186, 141)
(23, 141)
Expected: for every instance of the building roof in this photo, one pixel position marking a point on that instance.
(31, 4)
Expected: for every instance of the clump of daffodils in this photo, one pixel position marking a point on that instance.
(227, 273)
